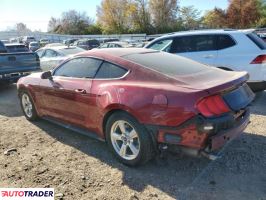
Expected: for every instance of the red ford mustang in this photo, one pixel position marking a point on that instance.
(139, 100)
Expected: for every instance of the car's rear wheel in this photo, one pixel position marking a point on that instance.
(128, 139)
(27, 106)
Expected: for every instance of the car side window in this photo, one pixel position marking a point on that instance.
(109, 70)
(224, 41)
(104, 45)
(193, 43)
(162, 45)
(50, 53)
(79, 68)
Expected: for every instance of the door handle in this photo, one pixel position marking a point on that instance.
(80, 91)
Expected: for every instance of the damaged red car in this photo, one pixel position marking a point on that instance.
(141, 101)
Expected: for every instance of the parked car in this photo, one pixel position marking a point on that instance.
(33, 46)
(44, 41)
(14, 65)
(16, 48)
(27, 40)
(105, 40)
(139, 100)
(5, 41)
(226, 49)
(50, 57)
(55, 44)
(69, 41)
(114, 45)
(87, 44)
(263, 37)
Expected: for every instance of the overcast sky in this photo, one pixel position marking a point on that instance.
(36, 13)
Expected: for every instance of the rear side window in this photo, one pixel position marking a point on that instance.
(109, 70)
(257, 40)
(79, 68)
(193, 43)
(2, 48)
(224, 41)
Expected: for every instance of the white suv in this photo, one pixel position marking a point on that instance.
(225, 49)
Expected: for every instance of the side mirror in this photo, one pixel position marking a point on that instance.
(47, 75)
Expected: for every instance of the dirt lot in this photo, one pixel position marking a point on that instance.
(81, 168)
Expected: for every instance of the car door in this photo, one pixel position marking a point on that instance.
(50, 59)
(201, 48)
(67, 96)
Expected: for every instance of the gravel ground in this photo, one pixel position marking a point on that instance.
(81, 168)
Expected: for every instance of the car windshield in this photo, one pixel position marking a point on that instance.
(71, 50)
(167, 63)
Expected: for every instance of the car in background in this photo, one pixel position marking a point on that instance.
(87, 44)
(231, 50)
(114, 45)
(33, 46)
(55, 44)
(28, 39)
(15, 62)
(263, 37)
(16, 48)
(105, 40)
(5, 41)
(44, 41)
(50, 57)
(69, 41)
(178, 102)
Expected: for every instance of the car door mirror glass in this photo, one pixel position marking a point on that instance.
(46, 75)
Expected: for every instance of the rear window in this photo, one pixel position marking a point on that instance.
(257, 40)
(17, 48)
(167, 63)
(109, 70)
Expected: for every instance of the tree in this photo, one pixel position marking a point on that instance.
(190, 17)
(114, 15)
(53, 24)
(71, 22)
(141, 18)
(21, 28)
(215, 18)
(163, 14)
(242, 13)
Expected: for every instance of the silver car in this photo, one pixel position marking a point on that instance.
(50, 57)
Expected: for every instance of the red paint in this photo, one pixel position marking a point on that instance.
(152, 98)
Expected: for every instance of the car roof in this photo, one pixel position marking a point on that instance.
(117, 52)
(59, 47)
(14, 44)
(206, 31)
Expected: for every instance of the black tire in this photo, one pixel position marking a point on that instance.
(257, 86)
(34, 115)
(146, 150)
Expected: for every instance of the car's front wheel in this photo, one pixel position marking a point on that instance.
(27, 106)
(128, 139)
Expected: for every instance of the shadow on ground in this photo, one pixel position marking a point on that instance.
(258, 103)
(181, 177)
(9, 102)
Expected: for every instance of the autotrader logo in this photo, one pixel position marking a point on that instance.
(26, 193)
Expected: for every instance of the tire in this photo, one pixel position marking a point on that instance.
(257, 86)
(133, 138)
(27, 106)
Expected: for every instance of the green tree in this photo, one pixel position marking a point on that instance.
(190, 17)
(114, 15)
(215, 18)
(163, 14)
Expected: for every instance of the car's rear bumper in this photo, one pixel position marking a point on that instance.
(191, 134)
(221, 138)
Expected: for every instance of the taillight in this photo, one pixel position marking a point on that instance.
(212, 106)
(259, 59)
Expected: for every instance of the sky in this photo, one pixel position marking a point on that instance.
(36, 13)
